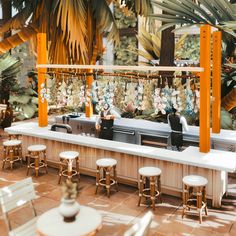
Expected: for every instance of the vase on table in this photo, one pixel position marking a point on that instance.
(69, 208)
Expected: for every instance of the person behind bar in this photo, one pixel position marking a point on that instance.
(105, 121)
(177, 123)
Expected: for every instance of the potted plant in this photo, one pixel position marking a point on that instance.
(69, 207)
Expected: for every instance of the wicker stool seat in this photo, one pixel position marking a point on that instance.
(38, 154)
(12, 152)
(106, 165)
(149, 184)
(194, 195)
(66, 159)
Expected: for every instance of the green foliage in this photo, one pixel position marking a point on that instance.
(218, 13)
(24, 102)
(190, 49)
(226, 120)
(123, 56)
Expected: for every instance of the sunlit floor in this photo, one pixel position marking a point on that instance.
(121, 210)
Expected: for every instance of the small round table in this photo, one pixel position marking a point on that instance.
(88, 222)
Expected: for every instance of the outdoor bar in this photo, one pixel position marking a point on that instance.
(117, 118)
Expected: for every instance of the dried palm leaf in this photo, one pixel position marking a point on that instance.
(19, 20)
(22, 36)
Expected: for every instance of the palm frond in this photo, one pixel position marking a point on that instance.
(19, 20)
(71, 26)
(187, 13)
(142, 7)
(20, 37)
(105, 20)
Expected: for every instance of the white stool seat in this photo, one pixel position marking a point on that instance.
(68, 154)
(12, 142)
(195, 180)
(36, 148)
(149, 171)
(106, 162)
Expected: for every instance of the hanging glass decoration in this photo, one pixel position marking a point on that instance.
(197, 101)
(166, 96)
(189, 99)
(139, 94)
(81, 95)
(43, 93)
(159, 106)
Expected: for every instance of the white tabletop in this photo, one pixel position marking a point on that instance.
(51, 223)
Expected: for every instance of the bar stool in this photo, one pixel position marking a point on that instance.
(152, 175)
(12, 152)
(106, 165)
(67, 157)
(38, 154)
(194, 195)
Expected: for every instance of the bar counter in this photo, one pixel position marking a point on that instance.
(214, 165)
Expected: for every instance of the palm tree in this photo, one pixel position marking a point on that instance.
(74, 28)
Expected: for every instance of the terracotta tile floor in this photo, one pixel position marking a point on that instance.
(121, 210)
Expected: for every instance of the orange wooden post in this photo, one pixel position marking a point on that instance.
(216, 82)
(205, 59)
(42, 59)
(88, 104)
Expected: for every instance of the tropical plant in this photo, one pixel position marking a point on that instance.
(24, 102)
(73, 27)
(123, 56)
(9, 68)
(228, 88)
(218, 13)
(151, 44)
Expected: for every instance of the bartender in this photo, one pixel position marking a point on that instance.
(105, 121)
(177, 123)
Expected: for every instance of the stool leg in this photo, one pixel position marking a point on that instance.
(199, 203)
(108, 169)
(4, 157)
(115, 177)
(159, 187)
(11, 155)
(45, 161)
(97, 178)
(36, 165)
(77, 168)
(60, 171)
(28, 163)
(20, 154)
(152, 191)
(140, 189)
(185, 199)
(204, 199)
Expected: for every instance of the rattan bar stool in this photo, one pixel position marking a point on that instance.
(194, 195)
(12, 152)
(66, 159)
(38, 154)
(106, 165)
(149, 184)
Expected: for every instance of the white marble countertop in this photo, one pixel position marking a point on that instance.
(227, 136)
(215, 159)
